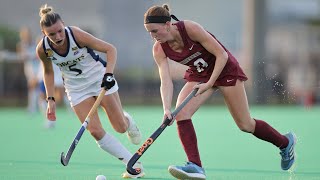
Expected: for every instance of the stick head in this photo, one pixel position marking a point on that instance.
(64, 161)
(133, 171)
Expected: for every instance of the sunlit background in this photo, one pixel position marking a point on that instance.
(276, 43)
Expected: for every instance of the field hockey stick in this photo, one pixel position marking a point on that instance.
(154, 136)
(66, 158)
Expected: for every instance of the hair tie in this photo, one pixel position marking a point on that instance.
(174, 17)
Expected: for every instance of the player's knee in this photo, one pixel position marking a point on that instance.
(96, 132)
(183, 115)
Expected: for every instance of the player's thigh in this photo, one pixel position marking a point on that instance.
(82, 110)
(236, 99)
(193, 105)
(113, 108)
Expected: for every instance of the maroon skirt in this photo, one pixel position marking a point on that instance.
(228, 76)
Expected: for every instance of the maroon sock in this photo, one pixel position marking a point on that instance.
(265, 132)
(188, 139)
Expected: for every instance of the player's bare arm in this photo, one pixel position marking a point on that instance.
(48, 77)
(166, 87)
(48, 74)
(85, 39)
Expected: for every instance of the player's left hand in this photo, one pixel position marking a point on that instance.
(108, 81)
(168, 114)
(202, 87)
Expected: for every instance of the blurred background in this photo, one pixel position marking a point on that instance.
(276, 42)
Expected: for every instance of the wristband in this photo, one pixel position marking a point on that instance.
(51, 98)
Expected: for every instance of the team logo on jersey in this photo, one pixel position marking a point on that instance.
(188, 59)
(191, 47)
(75, 49)
(71, 62)
(49, 53)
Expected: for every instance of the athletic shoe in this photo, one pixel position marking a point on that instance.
(133, 131)
(130, 176)
(287, 154)
(190, 171)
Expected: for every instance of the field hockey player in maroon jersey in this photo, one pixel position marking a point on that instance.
(211, 67)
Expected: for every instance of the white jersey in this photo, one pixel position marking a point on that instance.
(80, 67)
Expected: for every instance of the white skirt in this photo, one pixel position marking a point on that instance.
(76, 97)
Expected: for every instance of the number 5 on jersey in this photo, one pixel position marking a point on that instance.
(71, 68)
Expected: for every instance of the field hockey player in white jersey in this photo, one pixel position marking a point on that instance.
(84, 74)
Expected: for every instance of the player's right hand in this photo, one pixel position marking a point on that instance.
(51, 111)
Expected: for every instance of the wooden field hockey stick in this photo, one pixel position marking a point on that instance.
(154, 136)
(66, 158)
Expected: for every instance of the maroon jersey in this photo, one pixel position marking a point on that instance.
(201, 62)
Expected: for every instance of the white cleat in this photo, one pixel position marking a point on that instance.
(127, 175)
(133, 131)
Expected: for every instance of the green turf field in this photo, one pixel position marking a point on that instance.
(29, 152)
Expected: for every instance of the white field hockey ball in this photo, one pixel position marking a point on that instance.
(101, 177)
